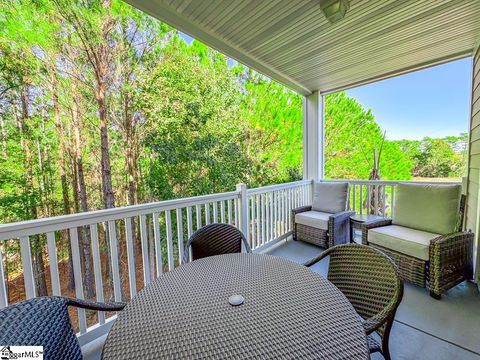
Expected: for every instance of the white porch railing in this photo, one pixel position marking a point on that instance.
(164, 228)
(263, 214)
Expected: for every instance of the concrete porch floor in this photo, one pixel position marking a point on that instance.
(424, 328)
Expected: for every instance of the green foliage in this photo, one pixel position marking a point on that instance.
(195, 138)
(197, 124)
(437, 157)
(351, 135)
(274, 116)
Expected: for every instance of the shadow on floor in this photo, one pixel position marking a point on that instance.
(424, 328)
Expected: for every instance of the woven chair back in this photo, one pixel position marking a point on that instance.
(41, 321)
(367, 277)
(215, 239)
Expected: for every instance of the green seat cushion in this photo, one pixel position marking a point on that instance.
(315, 219)
(428, 207)
(403, 240)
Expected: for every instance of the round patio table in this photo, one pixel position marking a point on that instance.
(288, 311)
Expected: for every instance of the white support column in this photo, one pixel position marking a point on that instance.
(313, 136)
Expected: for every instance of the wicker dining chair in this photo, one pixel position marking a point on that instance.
(371, 282)
(44, 321)
(215, 239)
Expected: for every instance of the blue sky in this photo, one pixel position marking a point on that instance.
(433, 102)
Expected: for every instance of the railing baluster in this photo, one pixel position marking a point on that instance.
(274, 214)
(229, 207)
(180, 234)
(268, 212)
(392, 201)
(251, 202)
(384, 201)
(26, 254)
(3, 287)
(290, 208)
(198, 213)
(284, 214)
(77, 275)
(189, 222)
(264, 223)
(375, 199)
(222, 211)
(144, 242)
(272, 218)
(112, 234)
(97, 270)
(168, 221)
(236, 214)
(361, 199)
(215, 211)
(259, 223)
(207, 213)
(53, 263)
(158, 244)
(130, 257)
(354, 205)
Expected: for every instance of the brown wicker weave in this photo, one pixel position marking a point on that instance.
(338, 229)
(289, 312)
(450, 258)
(370, 280)
(215, 239)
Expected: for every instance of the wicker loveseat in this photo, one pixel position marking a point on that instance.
(326, 222)
(425, 237)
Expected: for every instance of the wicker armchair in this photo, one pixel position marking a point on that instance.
(44, 321)
(326, 222)
(425, 254)
(215, 239)
(371, 282)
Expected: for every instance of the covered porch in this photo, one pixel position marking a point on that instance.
(296, 44)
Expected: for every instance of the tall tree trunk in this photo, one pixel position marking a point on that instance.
(131, 165)
(37, 258)
(65, 236)
(108, 195)
(4, 137)
(86, 239)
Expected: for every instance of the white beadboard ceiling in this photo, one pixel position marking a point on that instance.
(292, 42)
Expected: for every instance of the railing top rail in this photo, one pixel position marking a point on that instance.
(395, 182)
(56, 223)
(265, 189)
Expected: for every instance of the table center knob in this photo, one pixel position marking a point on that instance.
(236, 300)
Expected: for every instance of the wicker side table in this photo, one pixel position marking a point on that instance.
(356, 222)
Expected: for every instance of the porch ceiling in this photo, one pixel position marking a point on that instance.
(292, 42)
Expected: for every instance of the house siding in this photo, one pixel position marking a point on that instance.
(473, 211)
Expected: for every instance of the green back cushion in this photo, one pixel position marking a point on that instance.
(432, 208)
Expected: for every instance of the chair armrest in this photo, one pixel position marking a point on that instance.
(376, 321)
(452, 239)
(451, 260)
(371, 225)
(339, 228)
(301, 209)
(316, 259)
(342, 216)
(94, 305)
